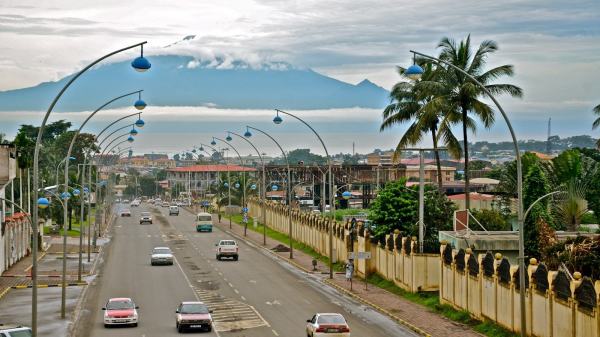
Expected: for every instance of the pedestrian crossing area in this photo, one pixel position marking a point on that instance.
(229, 314)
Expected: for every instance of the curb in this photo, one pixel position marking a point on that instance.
(4, 292)
(339, 288)
(51, 285)
(378, 308)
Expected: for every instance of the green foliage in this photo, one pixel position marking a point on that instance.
(580, 254)
(492, 220)
(302, 155)
(340, 213)
(396, 207)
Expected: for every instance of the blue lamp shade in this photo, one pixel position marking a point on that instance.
(414, 72)
(247, 134)
(76, 192)
(141, 64)
(277, 119)
(213, 142)
(86, 190)
(274, 188)
(228, 138)
(43, 203)
(253, 186)
(237, 185)
(139, 104)
(346, 195)
(140, 123)
(133, 132)
(226, 184)
(65, 195)
(130, 139)
(72, 158)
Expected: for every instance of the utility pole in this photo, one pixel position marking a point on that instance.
(422, 190)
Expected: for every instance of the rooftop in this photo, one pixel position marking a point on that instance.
(212, 168)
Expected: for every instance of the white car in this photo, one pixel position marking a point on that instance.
(227, 248)
(173, 210)
(161, 255)
(145, 217)
(136, 203)
(120, 311)
(9, 330)
(327, 325)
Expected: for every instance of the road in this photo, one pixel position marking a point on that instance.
(257, 296)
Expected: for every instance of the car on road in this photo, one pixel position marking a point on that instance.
(14, 330)
(161, 255)
(227, 248)
(165, 204)
(120, 311)
(125, 212)
(136, 203)
(327, 325)
(126, 201)
(204, 222)
(145, 217)
(193, 315)
(173, 210)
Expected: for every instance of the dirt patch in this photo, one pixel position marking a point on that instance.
(280, 248)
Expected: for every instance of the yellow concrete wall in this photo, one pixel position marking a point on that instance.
(546, 315)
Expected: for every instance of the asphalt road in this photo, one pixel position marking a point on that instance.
(257, 296)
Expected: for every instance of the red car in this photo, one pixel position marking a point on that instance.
(120, 311)
(193, 315)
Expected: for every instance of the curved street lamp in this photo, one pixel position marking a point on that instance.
(243, 172)
(140, 64)
(289, 185)
(415, 74)
(279, 120)
(263, 190)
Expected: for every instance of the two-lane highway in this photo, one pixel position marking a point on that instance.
(257, 296)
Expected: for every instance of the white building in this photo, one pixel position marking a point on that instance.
(15, 233)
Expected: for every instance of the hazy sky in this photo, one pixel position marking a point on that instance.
(554, 45)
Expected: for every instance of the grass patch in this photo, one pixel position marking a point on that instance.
(74, 232)
(285, 239)
(431, 301)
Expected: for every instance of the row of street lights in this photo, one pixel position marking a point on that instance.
(140, 64)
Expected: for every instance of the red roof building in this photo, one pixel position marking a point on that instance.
(212, 168)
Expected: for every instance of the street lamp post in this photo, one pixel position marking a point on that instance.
(279, 120)
(243, 175)
(58, 166)
(414, 72)
(289, 185)
(263, 190)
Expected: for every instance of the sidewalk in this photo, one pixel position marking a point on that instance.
(49, 267)
(415, 316)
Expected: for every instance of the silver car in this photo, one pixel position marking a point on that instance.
(161, 255)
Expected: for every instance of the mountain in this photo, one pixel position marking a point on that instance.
(186, 81)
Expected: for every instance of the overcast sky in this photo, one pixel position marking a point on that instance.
(554, 45)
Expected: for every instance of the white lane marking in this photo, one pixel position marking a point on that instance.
(251, 281)
(236, 291)
(231, 285)
(243, 298)
(225, 279)
(220, 274)
(275, 332)
(191, 286)
(149, 235)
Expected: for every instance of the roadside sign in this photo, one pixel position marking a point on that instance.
(359, 255)
(245, 209)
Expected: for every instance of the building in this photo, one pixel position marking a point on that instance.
(383, 158)
(15, 231)
(477, 201)
(198, 178)
(147, 160)
(431, 172)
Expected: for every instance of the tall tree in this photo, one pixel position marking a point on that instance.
(463, 98)
(420, 105)
(597, 122)
(535, 186)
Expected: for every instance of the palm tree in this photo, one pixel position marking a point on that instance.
(463, 98)
(597, 122)
(419, 104)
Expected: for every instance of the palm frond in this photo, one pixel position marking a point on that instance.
(499, 89)
(479, 59)
(484, 112)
